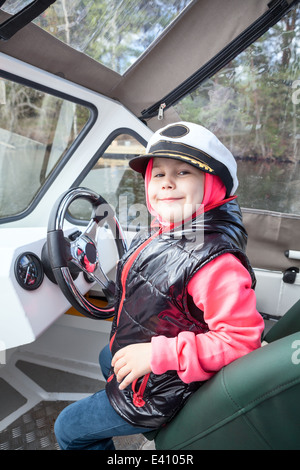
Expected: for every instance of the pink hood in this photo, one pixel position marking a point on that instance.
(214, 193)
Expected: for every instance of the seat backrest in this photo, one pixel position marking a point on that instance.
(253, 403)
(287, 325)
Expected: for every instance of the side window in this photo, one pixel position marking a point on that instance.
(121, 187)
(253, 106)
(36, 130)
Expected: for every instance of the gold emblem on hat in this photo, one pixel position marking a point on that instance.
(193, 161)
(198, 163)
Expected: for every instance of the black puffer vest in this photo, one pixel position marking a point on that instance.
(152, 300)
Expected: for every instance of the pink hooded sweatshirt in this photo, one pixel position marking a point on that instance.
(222, 290)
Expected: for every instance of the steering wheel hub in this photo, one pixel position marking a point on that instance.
(85, 254)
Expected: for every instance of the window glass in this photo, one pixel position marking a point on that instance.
(113, 32)
(36, 130)
(112, 178)
(253, 106)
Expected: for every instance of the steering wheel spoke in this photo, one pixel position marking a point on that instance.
(92, 230)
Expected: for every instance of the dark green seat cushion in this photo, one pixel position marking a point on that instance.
(287, 325)
(253, 403)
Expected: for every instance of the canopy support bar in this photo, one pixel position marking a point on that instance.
(11, 26)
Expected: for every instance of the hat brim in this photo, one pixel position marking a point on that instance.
(140, 163)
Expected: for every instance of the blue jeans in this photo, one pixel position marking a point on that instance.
(91, 423)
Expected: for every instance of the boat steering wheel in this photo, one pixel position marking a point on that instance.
(81, 252)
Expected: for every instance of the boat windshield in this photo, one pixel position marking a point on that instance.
(113, 32)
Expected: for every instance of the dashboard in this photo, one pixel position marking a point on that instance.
(29, 302)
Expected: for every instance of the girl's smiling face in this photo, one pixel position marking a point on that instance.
(175, 190)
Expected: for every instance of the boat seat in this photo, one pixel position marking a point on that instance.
(287, 325)
(251, 404)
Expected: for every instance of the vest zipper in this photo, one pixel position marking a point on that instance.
(138, 400)
(124, 275)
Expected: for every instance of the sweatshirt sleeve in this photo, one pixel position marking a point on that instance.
(222, 290)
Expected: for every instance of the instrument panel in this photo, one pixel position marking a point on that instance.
(29, 271)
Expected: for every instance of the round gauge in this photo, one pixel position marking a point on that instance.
(29, 271)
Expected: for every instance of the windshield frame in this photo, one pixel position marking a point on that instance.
(69, 152)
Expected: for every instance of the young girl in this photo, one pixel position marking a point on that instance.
(185, 305)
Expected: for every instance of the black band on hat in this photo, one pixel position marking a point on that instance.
(191, 154)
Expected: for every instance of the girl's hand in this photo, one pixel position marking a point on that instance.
(132, 362)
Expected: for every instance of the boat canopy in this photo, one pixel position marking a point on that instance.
(133, 52)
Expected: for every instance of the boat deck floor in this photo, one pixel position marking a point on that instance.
(34, 431)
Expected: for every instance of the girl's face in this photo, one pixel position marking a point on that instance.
(175, 190)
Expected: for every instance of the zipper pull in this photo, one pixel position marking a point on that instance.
(161, 111)
(137, 398)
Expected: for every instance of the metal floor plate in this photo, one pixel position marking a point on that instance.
(34, 429)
